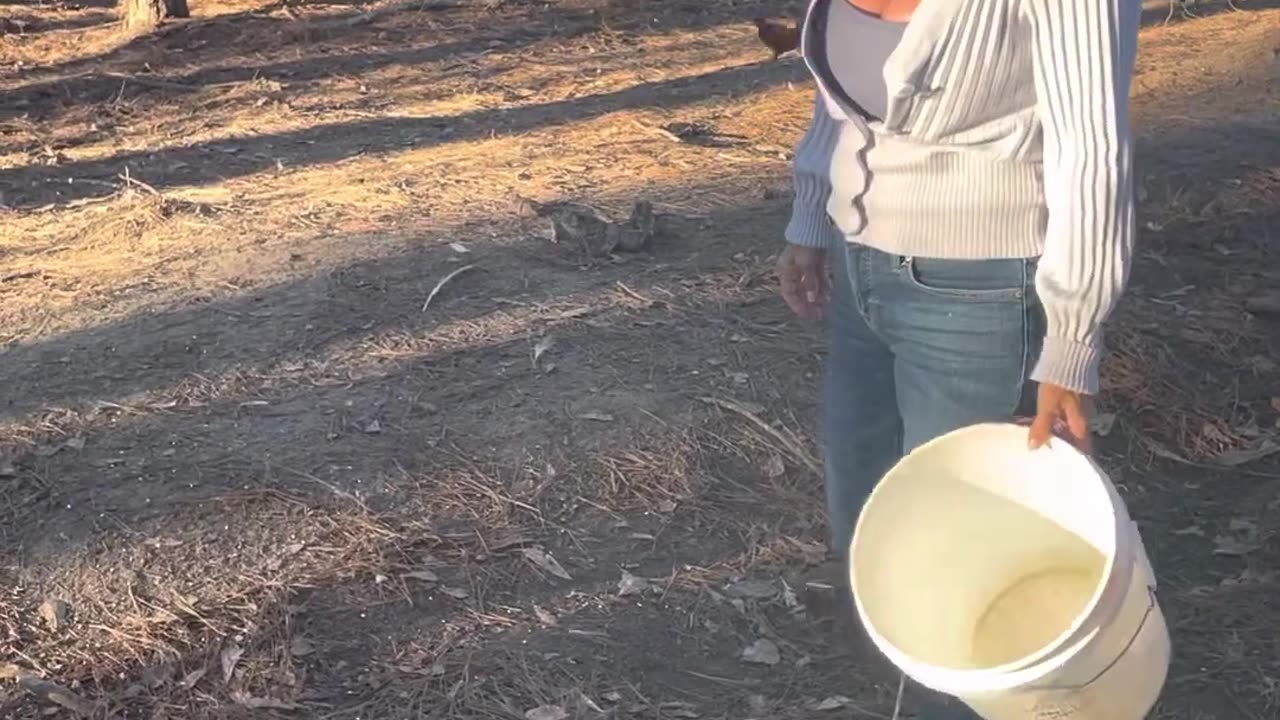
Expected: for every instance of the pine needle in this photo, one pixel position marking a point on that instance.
(442, 283)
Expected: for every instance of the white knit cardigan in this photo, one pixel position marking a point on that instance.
(1006, 136)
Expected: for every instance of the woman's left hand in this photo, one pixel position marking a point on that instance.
(1064, 411)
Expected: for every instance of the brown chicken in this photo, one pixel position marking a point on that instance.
(781, 35)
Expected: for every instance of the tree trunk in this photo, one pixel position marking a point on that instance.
(142, 15)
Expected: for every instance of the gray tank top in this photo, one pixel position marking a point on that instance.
(857, 46)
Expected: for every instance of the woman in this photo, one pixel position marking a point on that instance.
(967, 182)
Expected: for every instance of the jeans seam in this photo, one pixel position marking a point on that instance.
(859, 277)
(1025, 303)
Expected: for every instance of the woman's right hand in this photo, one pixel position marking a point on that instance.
(806, 286)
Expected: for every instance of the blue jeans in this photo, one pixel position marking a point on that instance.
(919, 347)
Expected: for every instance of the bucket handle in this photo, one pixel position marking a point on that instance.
(1151, 605)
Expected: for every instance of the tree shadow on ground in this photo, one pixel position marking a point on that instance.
(61, 3)
(222, 159)
(35, 25)
(224, 40)
(97, 87)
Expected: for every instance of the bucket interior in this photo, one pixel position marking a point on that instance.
(976, 553)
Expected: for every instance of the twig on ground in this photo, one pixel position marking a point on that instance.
(152, 82)
(132, 181)
(634, 295)
(435, 290)
(54, 693)
(663, 132)
(23, 275)
(788, 440)
(897, 703)
(330, 486)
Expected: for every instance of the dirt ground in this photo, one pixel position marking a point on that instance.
(301, 415)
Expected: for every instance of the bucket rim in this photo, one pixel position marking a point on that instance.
(1073, 640)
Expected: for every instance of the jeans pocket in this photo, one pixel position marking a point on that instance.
(970, 280)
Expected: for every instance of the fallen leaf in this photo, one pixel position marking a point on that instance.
(1160, 450)
(54, 613)
(544, 616)
(1234, 546)
(774, 467)
(1102, 424)
(301, 647)
(590, 704)
(244, 699)
(631, 585)
(540, 348)
(762, 652)
(542, 559)
(1243, 456)
(835, 702)
(56, 694)
(1241, 525)
(423, 575)
(75, 443)
(612, 697)
(758, 589)
(373, 427)
(192, 678)
(1248, 576)
(1242, 538)
(811, 553)
(789, 598)
(459, 248)
(546, 712)
(231, 655)
(456, 593)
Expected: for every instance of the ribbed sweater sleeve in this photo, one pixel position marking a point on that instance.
(810, 225)
(1084, 55)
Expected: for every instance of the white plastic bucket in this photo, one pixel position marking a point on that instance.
(1012, 579)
